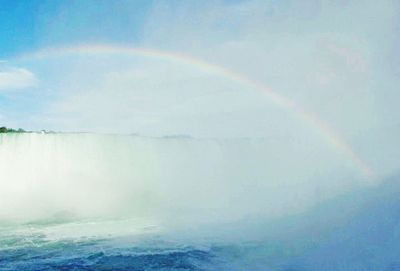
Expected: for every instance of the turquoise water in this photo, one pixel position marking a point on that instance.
(74, 246)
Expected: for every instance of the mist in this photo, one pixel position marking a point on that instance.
(324, 56)
(173, 180)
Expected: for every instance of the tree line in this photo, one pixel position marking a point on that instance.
(10, 130)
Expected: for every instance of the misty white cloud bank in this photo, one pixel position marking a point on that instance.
(325, 56)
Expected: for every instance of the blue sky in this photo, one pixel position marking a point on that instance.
(338, 60)
(17, 26)
(29, 25)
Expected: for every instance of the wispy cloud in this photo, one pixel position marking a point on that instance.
(16, 78)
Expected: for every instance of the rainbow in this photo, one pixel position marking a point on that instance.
(313, 120)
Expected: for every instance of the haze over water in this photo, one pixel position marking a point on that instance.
(226, 135)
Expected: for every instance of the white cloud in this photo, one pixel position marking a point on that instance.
(16, 78)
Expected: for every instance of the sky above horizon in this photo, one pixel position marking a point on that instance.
(336, 60)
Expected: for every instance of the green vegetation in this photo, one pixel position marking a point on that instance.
(9, 130)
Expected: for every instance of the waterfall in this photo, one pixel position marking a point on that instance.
(82, 175)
